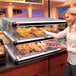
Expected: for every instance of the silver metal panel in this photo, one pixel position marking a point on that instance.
(8, 36)
(32, 20)
(10, 52)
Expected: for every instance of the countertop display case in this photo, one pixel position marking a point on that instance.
(26, 41)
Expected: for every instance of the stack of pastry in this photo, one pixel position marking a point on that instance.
(24, 32)
(36, 32)
(27, 32)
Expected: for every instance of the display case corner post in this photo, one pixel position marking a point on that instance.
(16, 62)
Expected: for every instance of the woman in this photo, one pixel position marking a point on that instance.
(70, 33)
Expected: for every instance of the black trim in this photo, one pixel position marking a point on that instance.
(14, 24)
(17, 43)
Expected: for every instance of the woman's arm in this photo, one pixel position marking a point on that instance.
(72, 50)
(56, 35)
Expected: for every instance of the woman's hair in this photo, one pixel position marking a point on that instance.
(72, 11)
(65, 13)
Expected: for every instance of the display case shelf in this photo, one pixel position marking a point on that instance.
(29, 57)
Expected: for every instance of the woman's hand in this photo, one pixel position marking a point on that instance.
(41, 30)
(62, 47)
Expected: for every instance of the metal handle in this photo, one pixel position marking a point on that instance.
(35, 75)
(62, 64)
